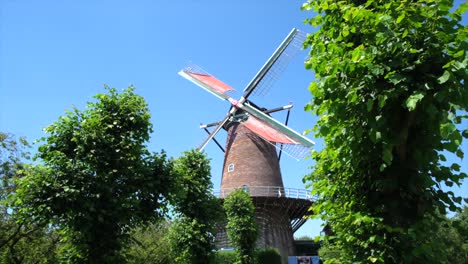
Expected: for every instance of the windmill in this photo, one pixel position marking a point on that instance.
(251, 160)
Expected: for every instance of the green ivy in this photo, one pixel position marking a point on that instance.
(390, 91)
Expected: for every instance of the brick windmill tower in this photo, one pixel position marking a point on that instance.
(253, 149)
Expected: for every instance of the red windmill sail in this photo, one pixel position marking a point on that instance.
(267, 132)
(200, 77)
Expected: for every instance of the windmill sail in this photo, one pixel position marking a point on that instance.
(266, 131)
(260, 123)
(206, 81)
(275, 65)
(294, 144)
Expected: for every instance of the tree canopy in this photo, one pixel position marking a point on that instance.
(197, 210)
(242, 228)
(391, 92)
(97, 179)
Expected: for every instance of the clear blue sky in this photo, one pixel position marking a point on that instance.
(55, 54)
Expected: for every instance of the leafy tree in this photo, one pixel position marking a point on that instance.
(24, 242)
(198, 210)
(460, 224)
(453, 235)
(390, 91)
(191, 240)
(242, 227)
(32, 245)
(12, 154)
(98, 179)
(149, 244)
(304, 237)
(329, 252)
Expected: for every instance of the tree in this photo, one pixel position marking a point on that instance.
(148, 243)
(390, 92)
(98, 179)
(12, 154)
(242, 227)
(304, 237)
(197, 209)
(24, 242)
(460, 224)
(453, 235)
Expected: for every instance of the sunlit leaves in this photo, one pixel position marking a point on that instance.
(390, 91)
(412, 101)
(444, 78)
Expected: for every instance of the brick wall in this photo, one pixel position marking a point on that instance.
(255, 162)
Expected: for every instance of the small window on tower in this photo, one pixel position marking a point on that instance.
(231, 167)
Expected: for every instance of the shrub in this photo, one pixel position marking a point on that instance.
(262, 256)
(223, 257)
(267, 256)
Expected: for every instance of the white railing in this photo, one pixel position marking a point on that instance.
(268, 191)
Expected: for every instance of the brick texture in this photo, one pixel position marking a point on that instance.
(255, 160)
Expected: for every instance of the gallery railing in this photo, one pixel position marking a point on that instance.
(268, 191)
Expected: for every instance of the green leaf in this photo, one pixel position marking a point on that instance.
(387, 155)
(413, 100)
(400, 18)
(459, 54)
(382, 167)
(382, 100)
(455, 167)
(447, 129)
(465, 133)
(345, 32)
(444, 78)
(405, 33)
(369, 103)
(442, 158)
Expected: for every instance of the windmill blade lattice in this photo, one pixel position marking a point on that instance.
(280, 64)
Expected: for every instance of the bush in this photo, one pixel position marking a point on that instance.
(223, 257)
(262, 256)
(267, 256)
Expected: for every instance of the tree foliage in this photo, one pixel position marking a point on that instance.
(390, 91)
(12, 154)
(148, 243)
(241, 225)
(453, 235)
(24, 242)
(197, 209)
(97, 179)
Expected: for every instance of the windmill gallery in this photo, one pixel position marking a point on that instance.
(255, 142)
